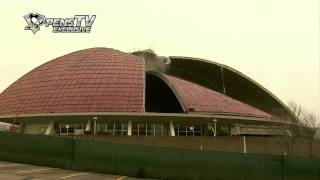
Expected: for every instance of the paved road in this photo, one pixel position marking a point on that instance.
(15, 171)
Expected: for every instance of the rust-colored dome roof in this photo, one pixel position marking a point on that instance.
(204, 100)
(91, 80)
(105, 80)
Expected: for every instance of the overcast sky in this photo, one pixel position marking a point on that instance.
(275, 42)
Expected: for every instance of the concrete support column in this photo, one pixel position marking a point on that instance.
(21, 127)
(88, 126)
(50, 129)
(215, 127)
(94, 127)
(129, 128)
(172, 133)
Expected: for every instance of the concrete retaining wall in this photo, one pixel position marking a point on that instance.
(260, 145)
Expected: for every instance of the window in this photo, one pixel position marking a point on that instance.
(112, 129)
(149, 129)
(188, 129)
(75, 129)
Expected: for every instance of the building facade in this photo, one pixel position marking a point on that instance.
(105, 92)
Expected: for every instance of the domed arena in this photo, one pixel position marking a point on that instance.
(105, 92)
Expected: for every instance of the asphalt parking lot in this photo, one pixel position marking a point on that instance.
(16, 171)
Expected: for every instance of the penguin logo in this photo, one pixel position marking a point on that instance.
(34, 21)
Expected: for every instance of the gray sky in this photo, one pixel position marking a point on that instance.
(275, 42)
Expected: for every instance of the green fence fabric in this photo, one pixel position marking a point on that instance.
(169, 163)
(131, 160)
(301, 168)
(153, 162)
(38, 150)
(93, 156)
(241, 166)
(186, 164)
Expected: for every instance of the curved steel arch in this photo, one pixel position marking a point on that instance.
(225, 79)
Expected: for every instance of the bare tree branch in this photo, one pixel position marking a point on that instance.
(306, 118)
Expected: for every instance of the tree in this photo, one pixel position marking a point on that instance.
(305, 117)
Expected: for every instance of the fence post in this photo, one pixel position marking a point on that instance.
(72, 151)
(244, 144)
(282, 167)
